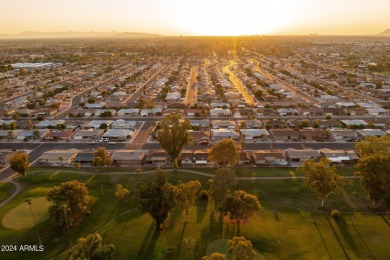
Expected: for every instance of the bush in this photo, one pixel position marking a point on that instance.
(335, 213)
(203, 195)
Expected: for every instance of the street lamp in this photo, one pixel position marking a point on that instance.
(29, 202)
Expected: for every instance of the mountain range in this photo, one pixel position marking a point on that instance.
(385, 33)
(75, 34)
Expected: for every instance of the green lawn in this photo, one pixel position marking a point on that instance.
(6, 189)
(283, 229)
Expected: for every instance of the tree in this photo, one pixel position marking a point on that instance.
(259, 94)
(186, 194)
(72, 196)
(241, 248)
(77, 166)
(19, 162)
(215, 256)
(374, 167)
(222, 184)
(92, 248)
(121, 192)
(173, 136)
(36, 134)
(10, 134)
(101, 157)
(29, 201)
(322, 178)
(240, 205)
(157, 198)
(28, 124)
(226, 152)
(61, 158)
(141, 104)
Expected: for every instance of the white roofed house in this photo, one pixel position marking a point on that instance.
(96, 124)
(118, 134)
(370, 132)
(223, 124)
(123, 124)
(255, 134)
(216, 112)
(151, 111)
(377, 111)
(287, 111)
(58, 157)
(128, 112)
(219, 134)
(173, 96)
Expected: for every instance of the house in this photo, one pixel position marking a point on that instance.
(199, 136)
(95, 105)
(49, 123)
(97, 124)
(105, 112)
(151, 111)
(219, 105)
(29, 134)
(250, 124)
(287, 111)
(84, 158)
(313, 111)
(194, 112)
(356, 111)
(58, 135)
(173, 111)
(294, 155)
(223, 124)
(370, 132)
(285, 135)
(173, 96)
(219, 134)
(354, 123)
(245, 158)
(216, 112)
(314, 134)
(129, 158)
(271, 157)
(128, 112)
(195, 158)
(377, 111)
(340, 156)
(58, 157)
(157, 158)
(118, 134)
(254, 134)
(87, 134)
(203, 123)
(9, 134)
(329, 111)
(123, 124)
(329, 123)
(343, 135)
(276, 123)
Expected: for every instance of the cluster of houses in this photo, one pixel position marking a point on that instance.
(57, 130)
(192, 158)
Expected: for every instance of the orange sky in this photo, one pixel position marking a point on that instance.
(201, 17)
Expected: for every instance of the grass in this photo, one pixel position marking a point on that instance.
(282, 229)
(6, 190)
(20, 217)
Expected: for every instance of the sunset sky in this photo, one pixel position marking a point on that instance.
(200, 17)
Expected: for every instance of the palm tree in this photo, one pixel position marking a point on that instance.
(29, 202)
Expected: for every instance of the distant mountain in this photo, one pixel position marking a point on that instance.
(73, 34)
(385, 33)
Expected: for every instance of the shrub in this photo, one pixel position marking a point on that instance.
(203, 195)
(335, 213)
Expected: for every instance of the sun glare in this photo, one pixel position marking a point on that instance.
(239, 18)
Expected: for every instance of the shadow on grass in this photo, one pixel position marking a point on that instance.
(323, 241)
(385, 220)
(201, 209)
(208, 233)
(276, 215)
(338, 239)
(149, 243)
(364, 242)
(181, 239)
(343, 227)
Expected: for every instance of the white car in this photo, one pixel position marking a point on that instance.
(111, 142)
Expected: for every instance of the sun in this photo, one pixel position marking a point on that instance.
(235, 18)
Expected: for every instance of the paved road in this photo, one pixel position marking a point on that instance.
(191, 90)
(236, 82)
